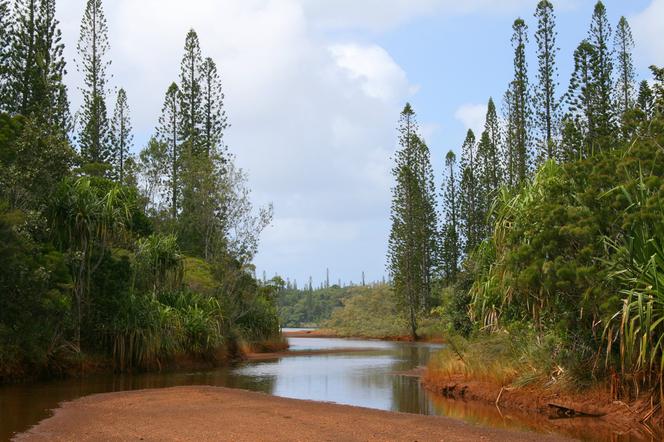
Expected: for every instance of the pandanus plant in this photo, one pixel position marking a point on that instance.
(159, 263)
(85, 219)
(637, 260)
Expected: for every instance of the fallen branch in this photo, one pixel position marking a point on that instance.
(567, 412)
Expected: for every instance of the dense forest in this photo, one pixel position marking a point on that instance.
(548, 252)
(111, 259)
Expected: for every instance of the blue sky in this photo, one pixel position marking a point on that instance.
(314, 89)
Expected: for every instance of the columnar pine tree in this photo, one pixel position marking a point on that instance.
(214, 115)
(6, 26)
(451, 250)
(168, 133)
(581, 99)
(508, 149)
(520, 103)
(92, 48)
(645, 100)
(24, 72)
(121, 136)
(409, 248)
(599, 37)
(50, 57)
(492, 128)
(624, 43)
(469, 193)
(545, 91)
(427, 221)
(658, 91)
(485, 182)
(489, 164)
(191, 114)
(35, 66)
(200, 224)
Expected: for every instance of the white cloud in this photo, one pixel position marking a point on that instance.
(472, 116)
(648, 29)
(379, 75)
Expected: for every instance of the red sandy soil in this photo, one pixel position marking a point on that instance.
(593, 406)
(213, 413)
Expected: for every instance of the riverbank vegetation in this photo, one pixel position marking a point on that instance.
(359, 311)
(546, 264)
(109, 258)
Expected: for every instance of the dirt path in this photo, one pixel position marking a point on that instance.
(213, 413)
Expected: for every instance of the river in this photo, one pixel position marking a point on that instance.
(375, 374)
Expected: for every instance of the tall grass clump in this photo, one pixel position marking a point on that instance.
(635, 333)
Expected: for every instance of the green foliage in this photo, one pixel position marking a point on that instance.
(547, 263)
(33, 161)
(34, 285)
(302, 308)
(369, 312)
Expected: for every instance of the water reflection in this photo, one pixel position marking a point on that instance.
(370, 376)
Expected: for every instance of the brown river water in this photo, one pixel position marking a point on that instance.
(373, 377)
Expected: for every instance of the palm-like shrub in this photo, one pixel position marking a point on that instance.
(637, 262)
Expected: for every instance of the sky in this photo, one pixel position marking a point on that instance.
(314, 89)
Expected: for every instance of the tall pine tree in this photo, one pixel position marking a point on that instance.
(470, 219)
(50, 58)
(168, 133)
(24, 73)
(520, 103)
(451, 250)
(6, 25)
(427, 222)
(121, 136)
(191, 114)
(489, 164)
(545, 93)
(508, 137)
(580, 122)
(214, 115)
(625, 87)
(92, 48)
(410, 255)
(645, 100)
(35, 67)
(599, 37)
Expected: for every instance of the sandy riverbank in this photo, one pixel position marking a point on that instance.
(592, 408)
(214, 413)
